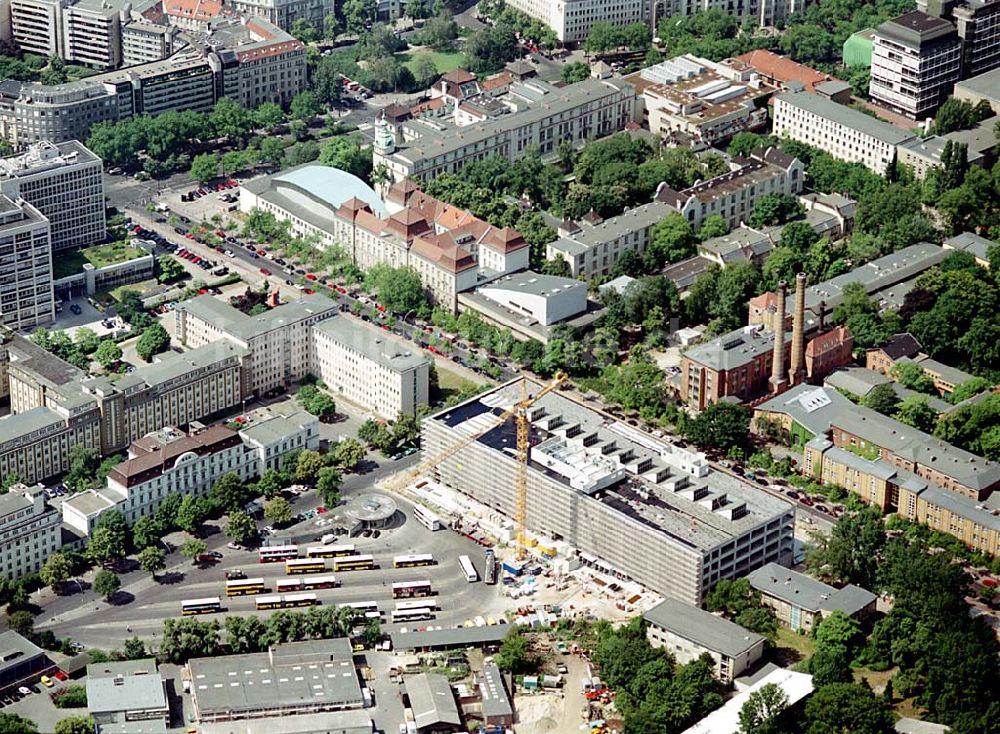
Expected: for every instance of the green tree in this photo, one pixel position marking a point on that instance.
(489, 49)
(303, 30)
(241, 528)
(515, 655)
(883, 399)
(912, 375)
(75, 725)
(86, 340)
(278, 511)
(154, 340)
(14, 724)
(328, 486)
(134, 649)
(309, 464)
(839, 631)
(146, 532)
(348, 453)
(305, 106)
(846, 707)
(399, 290)
(83, 463)
(108, 353)
(193, 511)
(56, 570)
(574, 72)
(916, 411)
(671, 240)
(851, 553)
(326, 81)
(105, 546)
(204, 167)
(425, 71)
(193, 548)
(107, 583)
(229, 493)
(230, 120)
(271, 482)
(151, 560)
(763, 708)
(358, 15)
(170, 269)
(22, 622)
(189, 638)
(713, 226)
(268, 116)
(775, 209)
(345, 153)
(721, 426)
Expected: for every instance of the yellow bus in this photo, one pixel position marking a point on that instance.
(420, 559)
(353, 563)
(305, 565)
(244, 587)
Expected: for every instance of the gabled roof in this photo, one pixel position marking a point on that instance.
(900, 345)
(782, 68)
(703, 628)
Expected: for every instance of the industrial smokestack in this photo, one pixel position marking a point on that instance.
(778, 381)
(796, 370)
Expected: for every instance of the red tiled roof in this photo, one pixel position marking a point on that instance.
(153, 458)
(832, 339)
(782, 69)
(203, 10)
(503, 79)
(459, 76)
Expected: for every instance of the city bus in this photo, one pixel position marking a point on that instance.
(305, 565)
(284, 585)
(427, 518)
(319, 582)
(416, 604)
(209, 605)
(286, 601)
(244, 587)
(421, 559)
(353, 563)
(411, 615)
(368, 608)
(468, 569)
(330, 551)
(276, 553)
(405, 589)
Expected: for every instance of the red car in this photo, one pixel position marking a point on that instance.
(380, 307)
(189, 235)
(308, 291)
(220, 233)
(59, 675)
(265, 271)
(320, 510)
(310, 276)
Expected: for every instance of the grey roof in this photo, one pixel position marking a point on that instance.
(236, 323)
(856, 380)
(811, 407)
(432, 700)
(985, 86)
(328, 722)
(916, 726)
(959, 505)
(703, 628)
(743, 243)
(377, 346)
(41, 363)
(317, 673)
(64, 155)
(89, 502)
(971, 243)
(274, 429)
(946, 372)
(915, 29)
(496, 702)
(821, 106)
(172, 365)
(637, 219)
(15, 649)
(144, 726)
(734, 349)
(806, 592)
(130, 686)
(449, 637)
(14, 427)
(831, 87)
(901, 345)
(314, 192)
(618, 284)
(683, 274)
(536, 284)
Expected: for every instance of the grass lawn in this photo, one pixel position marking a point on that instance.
(451, 382)
(791, 647)
(111, 253)
(445, 61)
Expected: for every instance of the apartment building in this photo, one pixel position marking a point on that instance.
(763, 13)
(634, 506)
(277, 344)
(272, 65)
(369, 368)
(284, 13)
(541, 115)
(837, 129)
(31, 112)
(692, 100)
(573, 19)
(144, 43)
(978, 26)
(801, 602)
(36, 26)
(168, 461)
(444, 244)
(592, 248)
(65, 184)
(92, 32)
(29, 530)
(687, 633)
(916, 59)
(26, 294)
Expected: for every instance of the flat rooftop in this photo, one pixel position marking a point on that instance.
(15, 649)
(449, 637)
(375, 345)
(131, 687)
(328, 722)
(734, 349)
(234, 322)
(822, 107)
(663, 487)
(46, 156)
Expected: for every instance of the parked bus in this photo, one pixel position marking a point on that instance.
(368, 608)
(427, 518)
(421, 559)
(405, 589)
(468, 569)
(244, 587)
(284, 585)
(411, 615)
(319, 582)
(305, 565)
(417, 604)
(330, 551)
(353, 563)
(287, 601)
(276, 553)
(209, 605)
(490, 576)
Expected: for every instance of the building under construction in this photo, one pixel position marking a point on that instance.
(630, 504)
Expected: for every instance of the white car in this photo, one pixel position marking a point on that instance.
(230, 253)
(24, 691)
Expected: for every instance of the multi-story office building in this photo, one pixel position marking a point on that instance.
(633, 506)
(36, 26)
(369, 368)
(283, 13)
(761, 12)
(572, 20)
(916, 59)
(64, 183)
(92, 32)
(29, 530)
(31, 112)
(978, 26)
(278, 344)
(541, 116)
(26, 295)
(272, 64)
(837, 129)
(144, 43)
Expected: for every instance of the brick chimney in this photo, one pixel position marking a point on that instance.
(796, 370)
(778, 381)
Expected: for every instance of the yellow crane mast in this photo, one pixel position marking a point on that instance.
(519, 412)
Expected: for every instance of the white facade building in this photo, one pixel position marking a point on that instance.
(29, 531)
(571, 19)
(26, 295)
(545, 299)
(841, 131)
(369, 368)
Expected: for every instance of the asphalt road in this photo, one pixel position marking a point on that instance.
(143, 603)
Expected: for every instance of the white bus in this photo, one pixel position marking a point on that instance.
(319, 582)
(209, 605)
(411, 615)
(330, 551)
(471, 575)
(416, 604)
(412, 561)
(403, 589)
(270, 554)
(368, 608)
(427, 518)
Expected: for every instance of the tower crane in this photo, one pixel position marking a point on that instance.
(519, 412)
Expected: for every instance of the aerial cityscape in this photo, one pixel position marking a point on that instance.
(511, 366)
